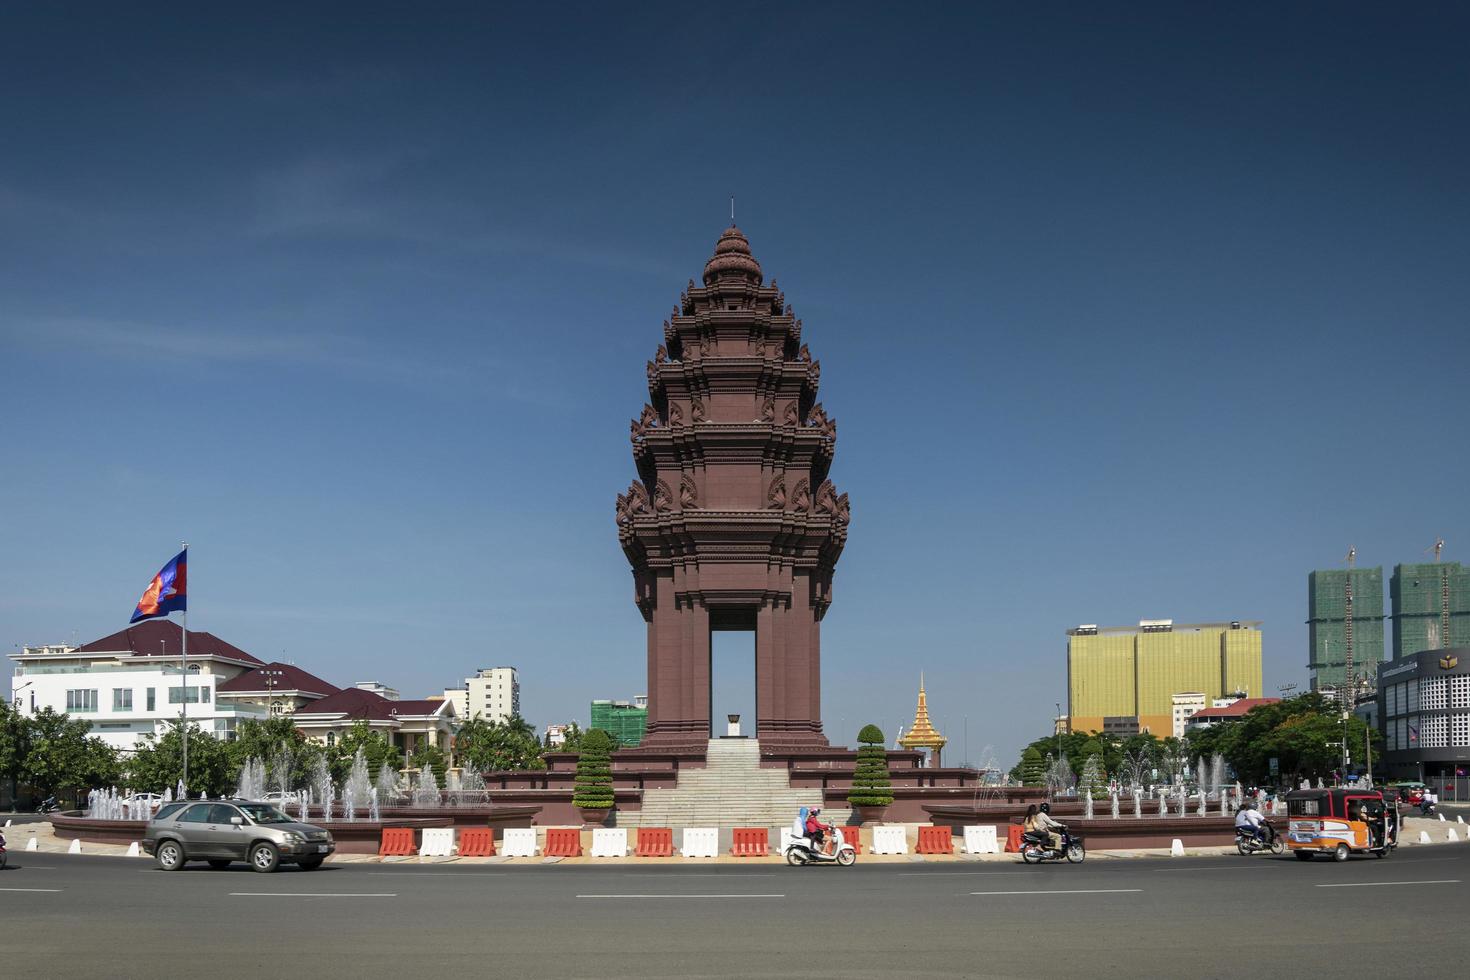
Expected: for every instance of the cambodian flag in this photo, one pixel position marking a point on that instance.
(166, 593)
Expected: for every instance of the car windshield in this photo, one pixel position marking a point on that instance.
(264, 813)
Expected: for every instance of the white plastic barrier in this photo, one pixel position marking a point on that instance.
(31, 844)
(519, 842)
(75, 848)
(981, 840)
(1451, 835)
(1424, 837)
(701, 842)
(133, 850)
(437, 842)
(610, 842)
(1458, 819)
(1441, 817)
(1176, 848)
(890, 840)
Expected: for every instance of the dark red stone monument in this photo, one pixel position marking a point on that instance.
(732, 523)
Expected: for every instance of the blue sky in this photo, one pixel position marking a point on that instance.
(1124, 314)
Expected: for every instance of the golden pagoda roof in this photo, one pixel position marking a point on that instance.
(921, 734)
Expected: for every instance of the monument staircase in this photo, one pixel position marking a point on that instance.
(731, 791)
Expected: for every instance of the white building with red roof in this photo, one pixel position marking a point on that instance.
(133, 682)
(410, 725)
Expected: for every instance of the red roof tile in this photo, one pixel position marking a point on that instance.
(354, 703)
(292, 678)
(1235, 710)
(161, 638)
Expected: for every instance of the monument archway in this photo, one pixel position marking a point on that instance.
(733, 523)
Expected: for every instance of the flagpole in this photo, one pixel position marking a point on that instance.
(184, 699)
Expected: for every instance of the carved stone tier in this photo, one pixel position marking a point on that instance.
(733, 524)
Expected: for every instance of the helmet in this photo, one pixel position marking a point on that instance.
(1045, 808)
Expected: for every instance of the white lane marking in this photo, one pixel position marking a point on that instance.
(1241, 867)
(959, 874)
(313, 894)
(1375, 884)
(30, 889)
(629, 874)
(1066, 891)
(438, 874)
(682, 896)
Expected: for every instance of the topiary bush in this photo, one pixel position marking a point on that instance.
(593, 788)
(1033, 767)
(870, 783)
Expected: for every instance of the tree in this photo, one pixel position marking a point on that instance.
(1032, 770)
(272, 741)
(15, 746)
(871, 784)
(494, 745)
(376, 747)
(433, 757)
(158, 763)
(63, 756)
(571, 739)
(593, 789)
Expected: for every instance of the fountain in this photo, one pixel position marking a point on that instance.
(181, 795)
(1137, 803)
(358, 787)
(387, 785)
(281, 764)
(251, 785)
(1114, 797)
(321, 785)
(1201, 810)
(426, 789)
(1059, 778)
(1086, 806)
(471, 789)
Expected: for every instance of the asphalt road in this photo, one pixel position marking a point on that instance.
(101, 917)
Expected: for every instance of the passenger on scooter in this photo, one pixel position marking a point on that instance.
(1249, 818)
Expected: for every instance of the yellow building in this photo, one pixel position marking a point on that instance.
(1124, 678)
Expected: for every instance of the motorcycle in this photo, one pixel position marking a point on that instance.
(1246, 842)
(1427, 809)
(800, 851)
(1036, 847)
(2, 852)
(48, 805)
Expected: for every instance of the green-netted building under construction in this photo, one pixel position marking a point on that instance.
(1327, 625)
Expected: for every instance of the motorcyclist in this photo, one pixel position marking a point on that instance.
(1249, 818)
(1043, 822)
(815, 829)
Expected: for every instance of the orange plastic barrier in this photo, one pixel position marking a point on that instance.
(751, 842)
(655, 842)
(850, 836)
(1014, 833)
(935, 840)
(397, 842)
(565, 842)
(477, 842)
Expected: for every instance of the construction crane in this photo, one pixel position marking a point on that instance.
(1444, 595)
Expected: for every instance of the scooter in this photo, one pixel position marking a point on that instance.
(1427, 808)
(48, 805)
(800, 851)
(1036, 847)
(1246, 842)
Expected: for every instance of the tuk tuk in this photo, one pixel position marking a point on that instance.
(1339, 822)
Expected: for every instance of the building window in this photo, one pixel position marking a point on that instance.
(1433, 694)
(152, 699)
(1460, 731)
(122, 699)
(176, 694)
(81, 701)
(277, 709)
(331, 739)
(1460, 691)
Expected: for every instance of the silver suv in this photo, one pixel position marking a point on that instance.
(223, 831)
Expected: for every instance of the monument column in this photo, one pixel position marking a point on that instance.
(732, 517)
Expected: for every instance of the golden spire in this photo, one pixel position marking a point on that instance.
(921, 735)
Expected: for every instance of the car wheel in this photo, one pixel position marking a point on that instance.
(1303, 855)
(170, 855)
(219, 864)
(1340, 853)
(264, 857)
(310, 864)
